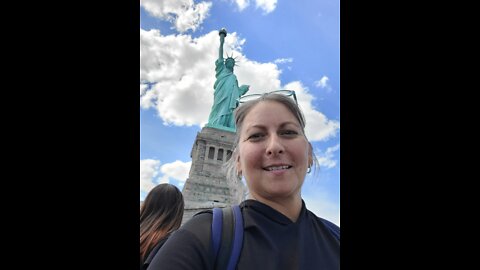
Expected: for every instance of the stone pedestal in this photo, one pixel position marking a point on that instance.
(206, 186)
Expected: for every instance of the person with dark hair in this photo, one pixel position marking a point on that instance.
(272, 153)
(160, 215)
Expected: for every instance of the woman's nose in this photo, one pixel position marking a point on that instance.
(274, 146)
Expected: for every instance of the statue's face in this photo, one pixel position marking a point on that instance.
(230, 63)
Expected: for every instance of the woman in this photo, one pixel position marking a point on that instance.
(160, 214)
(274, 155)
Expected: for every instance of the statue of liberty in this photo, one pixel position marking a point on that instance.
(226, 92)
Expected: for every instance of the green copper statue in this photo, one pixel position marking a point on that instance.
(226, 90)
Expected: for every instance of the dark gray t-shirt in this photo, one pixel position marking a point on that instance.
(271, 242)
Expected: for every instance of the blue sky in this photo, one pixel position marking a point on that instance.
(278, 44)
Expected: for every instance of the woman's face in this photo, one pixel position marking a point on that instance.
(273, 152)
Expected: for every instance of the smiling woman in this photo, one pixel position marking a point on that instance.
(273, 154)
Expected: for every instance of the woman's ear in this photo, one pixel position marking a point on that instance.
(310, 155)
(238, 165)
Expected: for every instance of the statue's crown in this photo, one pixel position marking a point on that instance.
(230, 58)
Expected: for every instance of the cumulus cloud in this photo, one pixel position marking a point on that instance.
(149, 169)
(325, 159)
(242, 4)
(267, 5)
(322, 83)
(318, 127)
(283, 60)
(183, 14)
(143, 89)
(147, 98)
(152, 174)
(180, 71)
(177, 170)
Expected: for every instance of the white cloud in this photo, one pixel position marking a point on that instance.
(283, 60)
(143, 89)
(149, 169)
(326, 159)
(322, 83)
(318, 126)
(147, 98)
(177, 170)
(242, 4)
(181, 70)
(322, 206)
(183, 14)
(152, 174)
(267, 5)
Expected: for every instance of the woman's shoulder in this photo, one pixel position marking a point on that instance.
(192, 241)
(202, 218)
(197, 229)
(332, 227)
(153, 252)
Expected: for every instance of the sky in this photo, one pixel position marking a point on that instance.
(278, 44)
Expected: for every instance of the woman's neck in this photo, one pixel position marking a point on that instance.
(289, 207)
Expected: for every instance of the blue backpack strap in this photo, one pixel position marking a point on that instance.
(216, 229)
(238, 237)
(226, 239)
(227, 236)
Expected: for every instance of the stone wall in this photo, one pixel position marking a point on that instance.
(207, 183)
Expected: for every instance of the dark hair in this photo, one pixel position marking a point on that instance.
(160, 214)
(244, 109)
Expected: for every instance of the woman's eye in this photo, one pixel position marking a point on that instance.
(289, 132)
(256, 136)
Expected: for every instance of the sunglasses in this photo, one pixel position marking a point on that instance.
(251, 97)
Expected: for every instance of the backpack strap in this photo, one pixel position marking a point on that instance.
(238, 240)
(226, 239)
(216, 229)
(227, 236)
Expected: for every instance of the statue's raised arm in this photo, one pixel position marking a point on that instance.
(222, 33)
